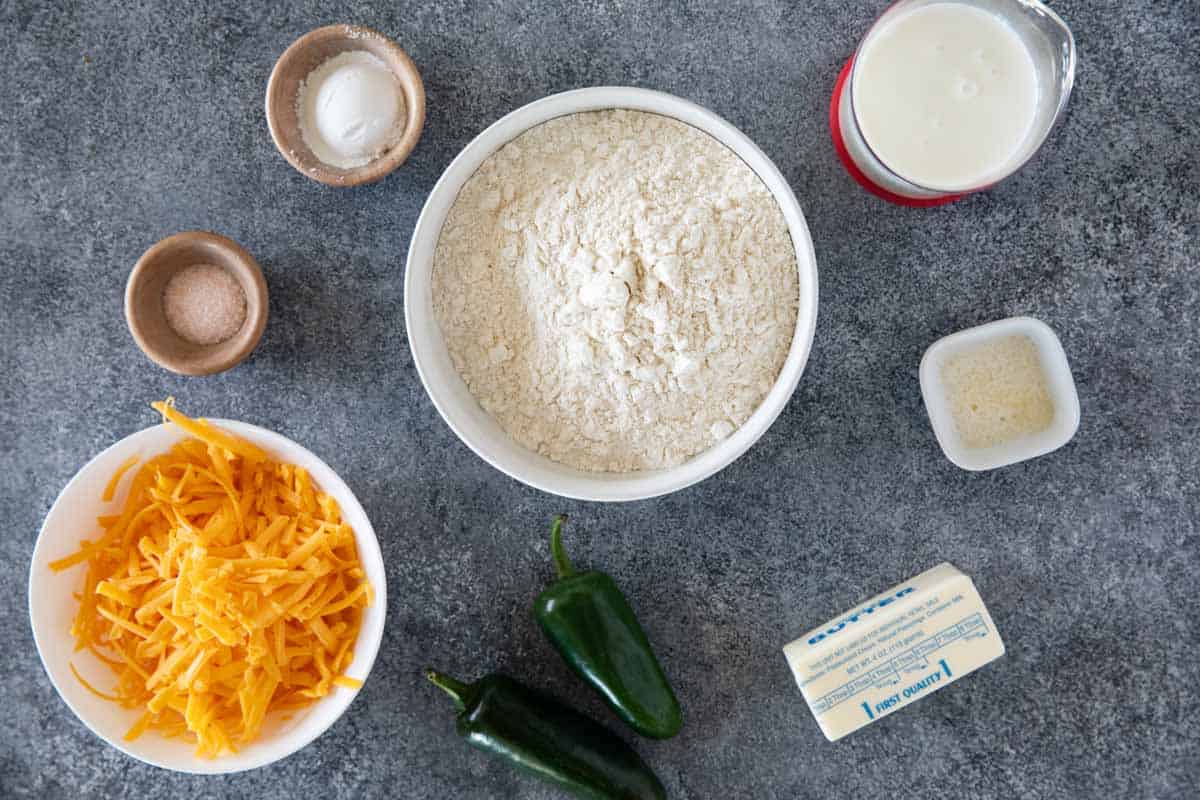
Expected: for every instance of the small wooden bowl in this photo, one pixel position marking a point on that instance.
(294, 66)
(144, 303)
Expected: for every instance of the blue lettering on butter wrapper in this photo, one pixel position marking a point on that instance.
(860, 614)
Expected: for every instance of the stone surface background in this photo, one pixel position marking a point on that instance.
(125, 122)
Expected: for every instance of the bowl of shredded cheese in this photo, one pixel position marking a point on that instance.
(207, 596)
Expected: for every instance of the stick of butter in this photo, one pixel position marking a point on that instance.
(894, 649)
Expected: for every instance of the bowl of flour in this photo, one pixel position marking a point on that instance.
(610, 294)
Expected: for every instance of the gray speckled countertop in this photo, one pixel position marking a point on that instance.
(125, 122)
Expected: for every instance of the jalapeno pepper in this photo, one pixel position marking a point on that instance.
(538, 734)
(592, 626)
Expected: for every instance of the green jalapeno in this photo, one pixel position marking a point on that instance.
(590, 623)
(540, 735)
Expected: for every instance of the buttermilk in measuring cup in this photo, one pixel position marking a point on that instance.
(945, 95)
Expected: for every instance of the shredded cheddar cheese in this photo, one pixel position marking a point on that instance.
(227, 588)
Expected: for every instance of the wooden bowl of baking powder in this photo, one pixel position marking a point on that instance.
(299, 61)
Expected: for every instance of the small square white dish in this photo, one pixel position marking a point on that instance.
(1059, 382)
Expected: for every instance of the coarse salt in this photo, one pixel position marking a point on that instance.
(204, 304)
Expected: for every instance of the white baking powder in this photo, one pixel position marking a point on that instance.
(350, 109)
(617, 289)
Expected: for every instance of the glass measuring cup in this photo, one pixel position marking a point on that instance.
(1051, 47)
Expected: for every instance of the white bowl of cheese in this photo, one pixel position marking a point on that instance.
(52, 607)
(450, 393)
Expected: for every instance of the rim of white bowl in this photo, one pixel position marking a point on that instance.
(334, 705)
(558, 478)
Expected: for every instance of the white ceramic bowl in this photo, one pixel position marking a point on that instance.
(52, 607)
(1058, 378)
(449, 393)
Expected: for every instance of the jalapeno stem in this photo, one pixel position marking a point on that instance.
(561, 562)
(456, 689)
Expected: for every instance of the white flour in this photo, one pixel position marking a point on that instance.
(617, 289)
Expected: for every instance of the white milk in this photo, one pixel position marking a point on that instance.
(945, 95)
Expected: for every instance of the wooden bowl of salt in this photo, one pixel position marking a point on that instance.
(196, 303)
